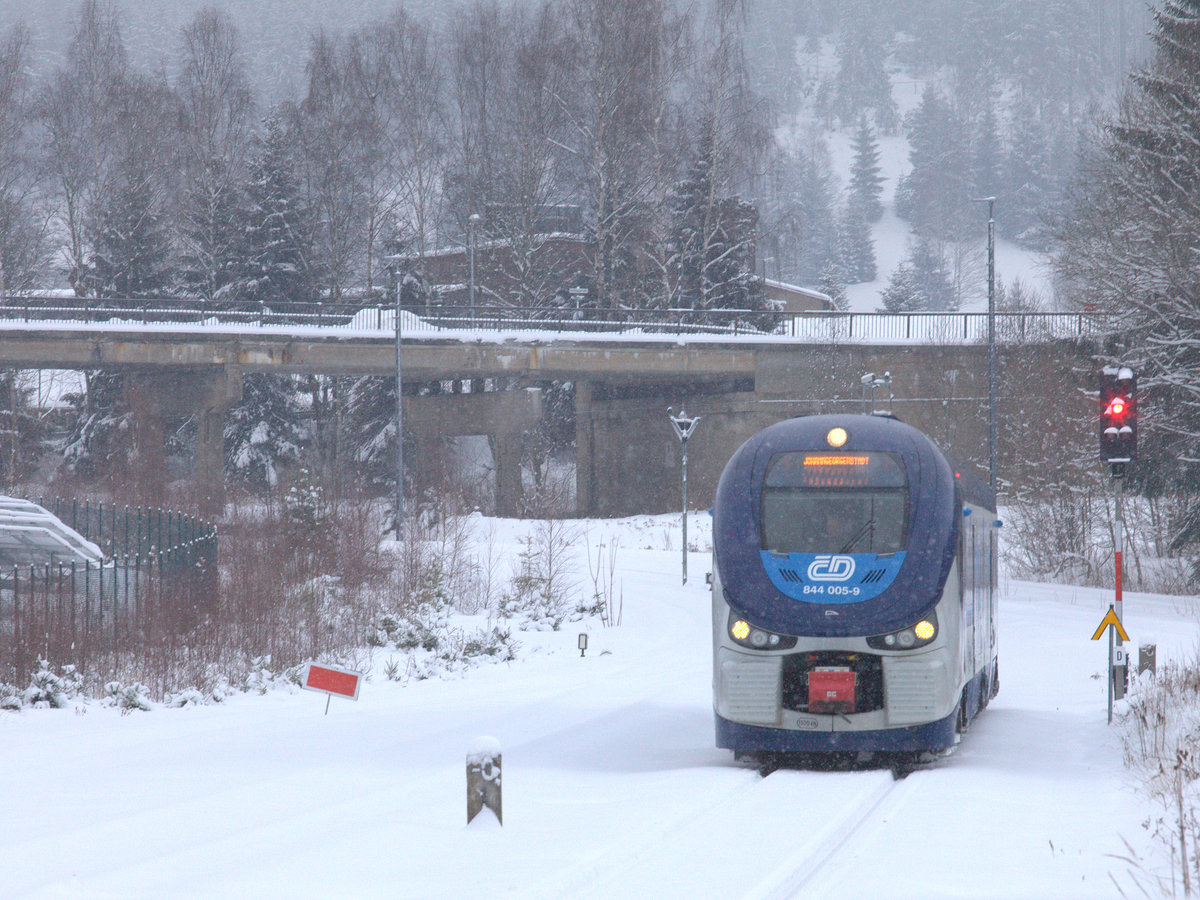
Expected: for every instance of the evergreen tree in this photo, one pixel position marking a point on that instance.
(799, 223)
(902, 295)
(99, 413)
(856, 249)
(24, 436)
(262, 432)
(1128, 240)
(935, 196)
(280, 263)
(371, 421)
(131, 258)
(214, 234)
(715, 241)
(862, 82)
(920, 282)
(987, 154)
(866, 174)
(932, 276)
(1027, 167)
(833, 284)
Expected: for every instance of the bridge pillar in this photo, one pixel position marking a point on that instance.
(585, 436)
(503, 416)
(217, 392)
(207, 394)
(506, 455)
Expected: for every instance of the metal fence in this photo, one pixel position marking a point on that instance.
(158, 574)
(448, 321)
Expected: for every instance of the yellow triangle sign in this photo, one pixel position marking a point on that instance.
(1110, 619)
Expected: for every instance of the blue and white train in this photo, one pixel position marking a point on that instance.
(853, 591)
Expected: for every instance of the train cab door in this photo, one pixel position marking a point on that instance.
(970, 580)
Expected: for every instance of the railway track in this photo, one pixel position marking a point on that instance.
(761, 840)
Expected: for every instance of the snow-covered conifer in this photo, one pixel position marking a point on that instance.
(866, 173)
(935, 196)
(715, 236)
(856, 249)
(281, 262)
(262, 432)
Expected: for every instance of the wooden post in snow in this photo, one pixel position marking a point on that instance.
(483, 779)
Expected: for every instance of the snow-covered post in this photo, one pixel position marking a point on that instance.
(483, 778)
(1146, 658)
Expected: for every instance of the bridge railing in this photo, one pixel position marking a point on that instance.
(843, 327)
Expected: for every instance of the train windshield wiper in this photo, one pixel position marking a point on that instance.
(867, 528)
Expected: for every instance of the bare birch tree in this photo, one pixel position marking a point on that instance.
(80, 111)
(216, 122)
(23, 237)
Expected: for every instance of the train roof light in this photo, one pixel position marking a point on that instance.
(836, 437)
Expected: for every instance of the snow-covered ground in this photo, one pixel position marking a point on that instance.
(611, 784)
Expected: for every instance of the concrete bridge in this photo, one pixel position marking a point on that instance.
(627, 456)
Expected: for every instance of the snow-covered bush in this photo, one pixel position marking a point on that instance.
(541, 595)
(50, 689)
(10, 698)
(188, 697)
(128, 697)
(1160, 723)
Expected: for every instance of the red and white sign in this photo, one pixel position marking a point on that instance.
(332, 680)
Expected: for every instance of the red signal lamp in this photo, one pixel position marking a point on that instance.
(1116, 407)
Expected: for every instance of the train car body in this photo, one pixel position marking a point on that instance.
(853, 591)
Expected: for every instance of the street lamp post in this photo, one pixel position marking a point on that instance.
(473, 221)
(399, 420)
(684, 426)
(577, 294)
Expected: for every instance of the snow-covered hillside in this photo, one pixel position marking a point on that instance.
(612, 786)
(892, 235)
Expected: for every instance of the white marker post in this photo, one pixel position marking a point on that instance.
(331, 680)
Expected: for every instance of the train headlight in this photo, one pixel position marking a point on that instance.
(916, 635)
(746, 635)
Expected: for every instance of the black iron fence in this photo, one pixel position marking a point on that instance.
(158, 575)
(433, 319)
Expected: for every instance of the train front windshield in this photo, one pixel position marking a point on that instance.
(854, 502)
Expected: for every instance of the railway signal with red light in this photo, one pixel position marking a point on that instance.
(1118, 414)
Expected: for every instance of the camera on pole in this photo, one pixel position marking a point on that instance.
(1118, 417)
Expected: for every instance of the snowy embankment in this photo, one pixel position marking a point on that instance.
(611, 783)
